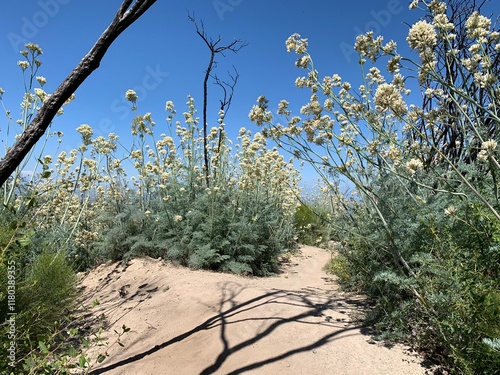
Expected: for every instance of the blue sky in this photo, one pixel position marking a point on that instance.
(162, 58)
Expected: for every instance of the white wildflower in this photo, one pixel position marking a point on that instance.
(296, 43)
(477, 26)
(489, 146)
(487, 149)
(23, 64)
(422, 35)
(131, 96)
(387, 97)
(482, 155)
(34, 48)
(41, 80)
(86, 132)
(414, 165)
(303, 62)
(450, 211)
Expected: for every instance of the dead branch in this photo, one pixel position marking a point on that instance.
(214, 47)
(225, 104)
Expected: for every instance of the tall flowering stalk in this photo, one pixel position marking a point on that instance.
(34, 97)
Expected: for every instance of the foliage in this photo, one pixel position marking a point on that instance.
(420, 226)
(307, 223)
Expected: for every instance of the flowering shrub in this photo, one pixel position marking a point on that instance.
(83, 200)
(239, 224)
(424, 217)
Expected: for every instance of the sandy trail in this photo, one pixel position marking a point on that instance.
(198, 322)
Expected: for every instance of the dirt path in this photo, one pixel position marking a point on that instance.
(187, 322)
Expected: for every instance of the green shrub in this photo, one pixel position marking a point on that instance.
(228, 230)
(454, 257)
(339, 266)
(44, 292)
(310, 224)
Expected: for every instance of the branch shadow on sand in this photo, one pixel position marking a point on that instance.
(123, 297)
(279, 308)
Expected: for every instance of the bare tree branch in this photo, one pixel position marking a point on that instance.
(225, 103)
(126, 15)
(213, 46)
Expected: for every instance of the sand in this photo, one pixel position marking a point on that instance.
(197, 322)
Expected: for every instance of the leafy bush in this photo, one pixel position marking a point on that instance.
(453, 260)
(46, 329)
